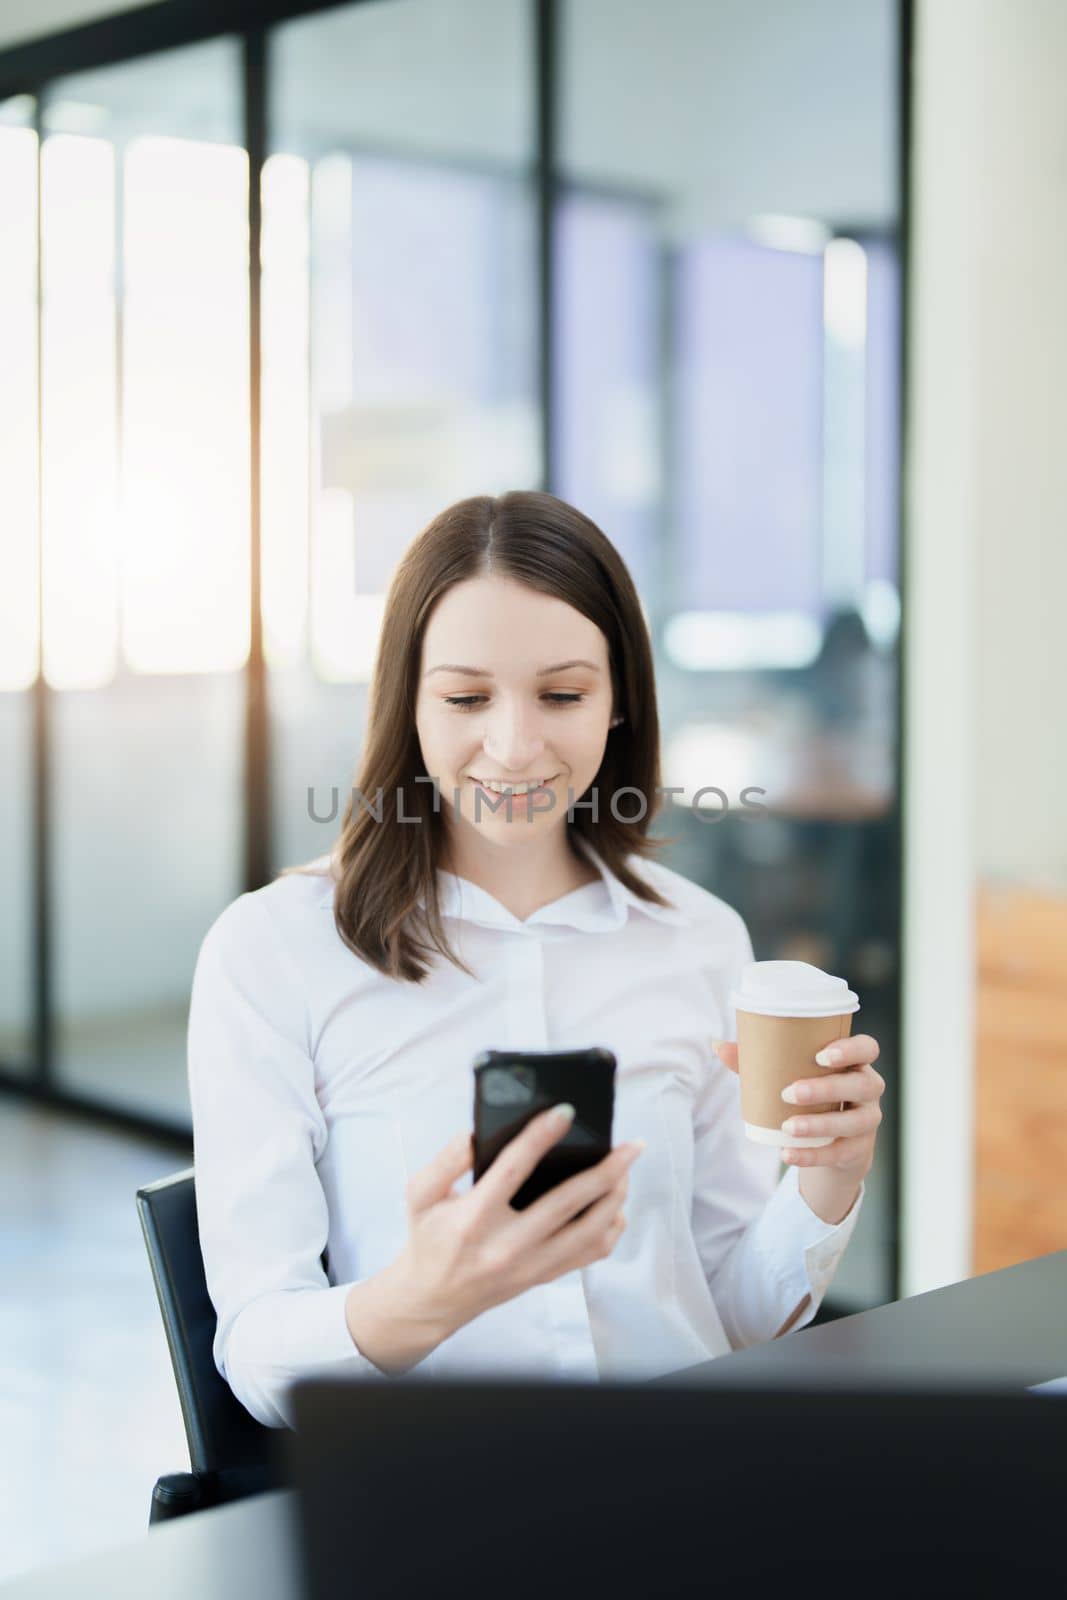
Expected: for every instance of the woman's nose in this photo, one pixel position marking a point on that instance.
(514, 740)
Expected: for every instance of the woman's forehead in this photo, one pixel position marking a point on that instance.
(493, 624)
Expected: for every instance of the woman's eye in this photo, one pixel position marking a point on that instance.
(467, 702)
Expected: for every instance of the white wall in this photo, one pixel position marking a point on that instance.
(1021, 423)
(985, 648)
(21, 20)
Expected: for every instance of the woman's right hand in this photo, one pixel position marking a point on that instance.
(468, 1252)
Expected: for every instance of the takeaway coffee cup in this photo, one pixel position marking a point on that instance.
(786, 1012)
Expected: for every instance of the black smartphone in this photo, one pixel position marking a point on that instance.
(511, 1086)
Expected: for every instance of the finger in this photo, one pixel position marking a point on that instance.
(857, 1086)
(835, 1124)
(853, 1052)
(578, 1243)
(434, 1181)
(564, 1200)
(841, 1153)
(726, 1052)
(519, 1157)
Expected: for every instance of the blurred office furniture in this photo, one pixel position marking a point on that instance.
(836, 682)
(817, 873)
(1003, 1330)
(231, 1454)
(1020, 1075)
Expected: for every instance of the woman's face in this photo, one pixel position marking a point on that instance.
(506, 717)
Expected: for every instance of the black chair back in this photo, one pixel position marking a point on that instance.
(231, 1454)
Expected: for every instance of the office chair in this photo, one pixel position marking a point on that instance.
(230, 1453)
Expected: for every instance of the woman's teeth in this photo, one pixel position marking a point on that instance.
(505, 788)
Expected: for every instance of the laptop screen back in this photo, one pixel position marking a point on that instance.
(527, 1488)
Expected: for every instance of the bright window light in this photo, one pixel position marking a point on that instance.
(733, 641)
(845, 292)
(185, 443)
(345, 625)
(881, 612)
(76, 116)
(18, 408)
(79, 532)
(719, 756)
(285, 389)
(844, 422)
(802, 234)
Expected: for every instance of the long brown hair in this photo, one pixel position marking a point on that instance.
(383, 866)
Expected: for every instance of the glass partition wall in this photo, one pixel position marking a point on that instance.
(270, 298)
(727, 405)
(400, 341)
(19, 556)
(145, 538)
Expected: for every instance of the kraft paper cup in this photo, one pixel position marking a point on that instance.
(787, 1011)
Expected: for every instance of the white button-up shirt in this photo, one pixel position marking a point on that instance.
(318, 1086)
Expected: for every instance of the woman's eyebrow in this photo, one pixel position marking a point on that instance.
(480, 672)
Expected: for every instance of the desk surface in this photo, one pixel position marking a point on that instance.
(1007, 1327)
(247, 1548)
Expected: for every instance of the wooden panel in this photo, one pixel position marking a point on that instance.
(1020, 1077)
(1022, 937)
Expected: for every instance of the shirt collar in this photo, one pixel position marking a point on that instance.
(622, 900)
(595, 907)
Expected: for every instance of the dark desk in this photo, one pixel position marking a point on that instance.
(1005, 1328)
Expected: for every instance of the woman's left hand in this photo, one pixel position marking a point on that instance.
(840, 1166)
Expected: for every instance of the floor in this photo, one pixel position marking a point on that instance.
(89, 1413)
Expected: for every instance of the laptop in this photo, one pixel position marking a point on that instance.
(515, 1488)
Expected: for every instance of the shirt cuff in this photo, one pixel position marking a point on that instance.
(332, 1337)
(287, 1336)
(808, 1248)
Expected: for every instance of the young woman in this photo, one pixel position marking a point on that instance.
(336, 1013)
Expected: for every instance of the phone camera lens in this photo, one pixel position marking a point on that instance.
(501, 1087)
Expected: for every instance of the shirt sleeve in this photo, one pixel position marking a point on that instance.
(258, 1131)
(767, 1257)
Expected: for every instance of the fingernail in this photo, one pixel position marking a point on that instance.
(715, 1043)
(564, 1111)
(636, 1146)
(828, 1058)
(790, 1093)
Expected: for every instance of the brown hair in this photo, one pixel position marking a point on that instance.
(534, 539)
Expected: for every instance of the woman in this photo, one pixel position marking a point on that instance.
(336, 1013)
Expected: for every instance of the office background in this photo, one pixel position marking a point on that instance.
(661, 260)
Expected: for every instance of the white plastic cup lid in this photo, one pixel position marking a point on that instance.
(792, 989)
